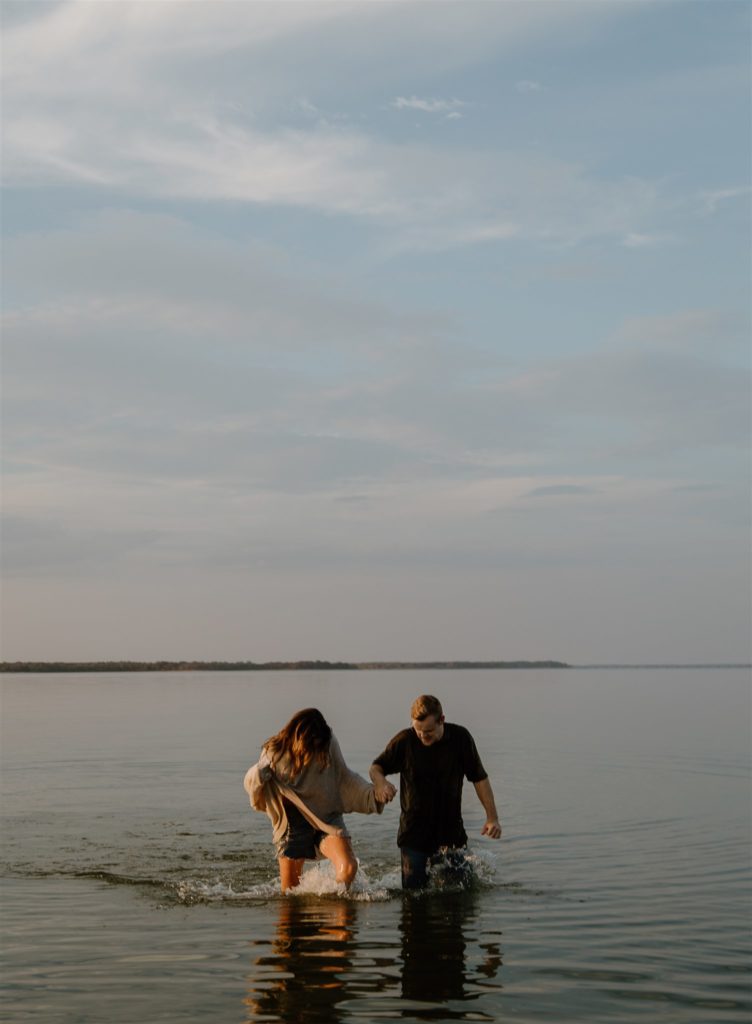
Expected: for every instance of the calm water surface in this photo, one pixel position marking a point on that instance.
(137, 885)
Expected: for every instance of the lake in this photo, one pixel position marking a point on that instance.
(137, 884)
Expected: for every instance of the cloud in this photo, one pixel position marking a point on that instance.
(644, 404)
(121, 265)
(527, 86)
(428, 197)
(637, 240)
(35, 546)
(141, 348)
(712, 200)
(67, 48)
(161, 101)
(702, 331)
(142, 528)
(554, 490)
(429, 106)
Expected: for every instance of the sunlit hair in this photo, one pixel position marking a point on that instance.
(424, 706)
(305, 738)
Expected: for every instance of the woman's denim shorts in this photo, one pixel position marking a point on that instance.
(301, 840)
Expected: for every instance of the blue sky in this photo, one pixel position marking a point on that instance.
(373, 330)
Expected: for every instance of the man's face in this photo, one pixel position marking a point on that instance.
(429, 730)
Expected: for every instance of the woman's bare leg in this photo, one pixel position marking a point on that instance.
(290, 871)
(339, 851)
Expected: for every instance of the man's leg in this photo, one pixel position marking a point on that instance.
(414, 868)
(450, 866)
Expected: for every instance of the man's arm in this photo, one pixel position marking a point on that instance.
(383, 790)
(492, 827)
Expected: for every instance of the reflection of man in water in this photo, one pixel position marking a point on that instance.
(443, 957)
(301, 980)
(433, 757)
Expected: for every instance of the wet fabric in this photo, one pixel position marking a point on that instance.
(448, 867)
(301, 841)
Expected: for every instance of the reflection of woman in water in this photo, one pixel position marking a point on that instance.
(303, 977)
(302, 782)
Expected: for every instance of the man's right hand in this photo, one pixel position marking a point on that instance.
(384, 791)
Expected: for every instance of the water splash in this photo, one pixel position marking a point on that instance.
(319, 880)
(193, 891)
(462, 869)
(449, 872)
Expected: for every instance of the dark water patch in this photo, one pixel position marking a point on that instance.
(681, 999)
(596, 975)
(114, 879)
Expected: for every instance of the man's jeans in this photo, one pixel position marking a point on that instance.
(453, 865)
(414, 868)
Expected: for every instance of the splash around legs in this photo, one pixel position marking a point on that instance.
(290, 870)
(336, 849)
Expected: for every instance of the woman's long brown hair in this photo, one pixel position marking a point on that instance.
(305, 737)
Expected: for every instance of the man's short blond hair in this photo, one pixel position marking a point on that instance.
(424, 706)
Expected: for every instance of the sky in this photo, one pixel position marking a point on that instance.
(376, 330)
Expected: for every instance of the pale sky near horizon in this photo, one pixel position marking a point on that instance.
(376, 330)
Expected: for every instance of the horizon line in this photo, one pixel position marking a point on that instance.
(163, 664)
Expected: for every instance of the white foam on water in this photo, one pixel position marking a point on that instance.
(478, 868)
(319, 880)
(194, 890)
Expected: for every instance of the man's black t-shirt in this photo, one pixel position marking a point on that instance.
(431, 785)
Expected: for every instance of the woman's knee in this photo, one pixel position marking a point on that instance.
(339, 851)
(347, 869)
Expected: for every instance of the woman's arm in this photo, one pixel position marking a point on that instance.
(357, 793)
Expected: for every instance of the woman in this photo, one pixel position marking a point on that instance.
(302, 782)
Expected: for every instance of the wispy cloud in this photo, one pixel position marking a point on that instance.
(639, 240)
(527, 86)
(430, 197)
(203, 362)
(712, 200)
(555, 490)
(149, 129)
(706, 332)
(428, 106)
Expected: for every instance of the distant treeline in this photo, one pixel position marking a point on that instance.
(258, 666)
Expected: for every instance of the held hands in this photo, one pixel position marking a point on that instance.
(492, 829)
(384, 792)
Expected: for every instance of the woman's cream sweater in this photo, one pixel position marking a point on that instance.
(319, 793)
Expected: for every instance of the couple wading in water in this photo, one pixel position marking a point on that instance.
(303, 784)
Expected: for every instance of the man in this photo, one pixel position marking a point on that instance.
(432, 758)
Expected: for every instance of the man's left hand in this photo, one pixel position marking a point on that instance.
(492, 829)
